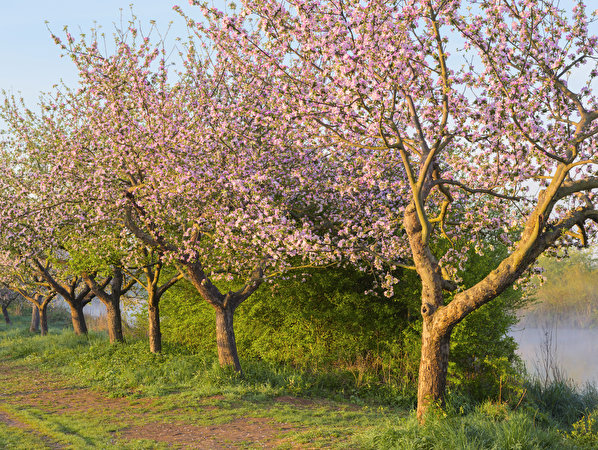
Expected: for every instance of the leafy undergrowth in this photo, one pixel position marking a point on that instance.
(64, 390)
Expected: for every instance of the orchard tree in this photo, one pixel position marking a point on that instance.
(7, 296)
(75, 292)
(118, 286)
(149, 277)
(479, 115)
(192, 169)
(41, 218)
(20, 277)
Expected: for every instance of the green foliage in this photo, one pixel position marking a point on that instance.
(487, 426)
(319, 322)
(560, 399)
(324, 322)
(584, 432)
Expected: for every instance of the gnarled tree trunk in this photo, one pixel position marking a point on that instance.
(154, 334)
(78, 319)
(225, 306)
(111, 300)
(433, 368)
(43, 318)
(114, 322)
(225, 338)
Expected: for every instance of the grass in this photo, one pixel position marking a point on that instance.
(321, 409)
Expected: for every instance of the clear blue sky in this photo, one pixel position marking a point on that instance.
(30, 61)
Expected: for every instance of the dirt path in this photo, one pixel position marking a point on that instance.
(59, 413)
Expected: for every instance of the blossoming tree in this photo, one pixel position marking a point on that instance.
(480, 115)
(191, 168)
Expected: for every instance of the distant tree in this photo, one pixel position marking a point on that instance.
(569, 293)
(7, 296)
(28, 282)
(75, 293)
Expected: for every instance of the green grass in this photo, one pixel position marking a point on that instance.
(11, 437)
(326, 409)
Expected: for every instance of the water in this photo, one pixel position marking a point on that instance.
(96, 309)
(575, 350)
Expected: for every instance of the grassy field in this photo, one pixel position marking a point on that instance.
(65, 391)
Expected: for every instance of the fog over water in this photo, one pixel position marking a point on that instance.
(575, 350)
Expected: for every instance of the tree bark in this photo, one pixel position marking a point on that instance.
(5, 314)
(155, 336)
(154, 294)
(43, 318)
(34, 327)
(78, 319)
(225, 339)
(113, 321)
(436, 332)
(433, 368)
(68, 291)
(111, 300)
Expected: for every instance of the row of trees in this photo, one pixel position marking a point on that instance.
(388, 136)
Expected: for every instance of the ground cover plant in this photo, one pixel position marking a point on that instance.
(127, 396)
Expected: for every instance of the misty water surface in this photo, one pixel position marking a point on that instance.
(575, 350)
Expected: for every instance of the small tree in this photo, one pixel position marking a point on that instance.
(74, 292)
(150, 281)
(22, 278)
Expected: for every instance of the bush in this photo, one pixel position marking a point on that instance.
(325, 322)
(584, 432)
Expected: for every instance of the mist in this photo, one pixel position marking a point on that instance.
(572, 351)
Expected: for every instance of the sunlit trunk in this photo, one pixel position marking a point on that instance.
(114, 322)
(43, 319)
(225, 339)
(433, 369)
(78, 319)
(34, 327)
(155, 336)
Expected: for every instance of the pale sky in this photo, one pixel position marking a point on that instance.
(30, 61)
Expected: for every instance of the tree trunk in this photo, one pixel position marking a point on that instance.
(34, 327)
(433, 368)
(5, 313)
(155, 336)
(43, 319)
(78, 320)
(114, 322)
(225, 339)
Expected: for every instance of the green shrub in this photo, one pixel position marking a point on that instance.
(325, 322)
(584, 432)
